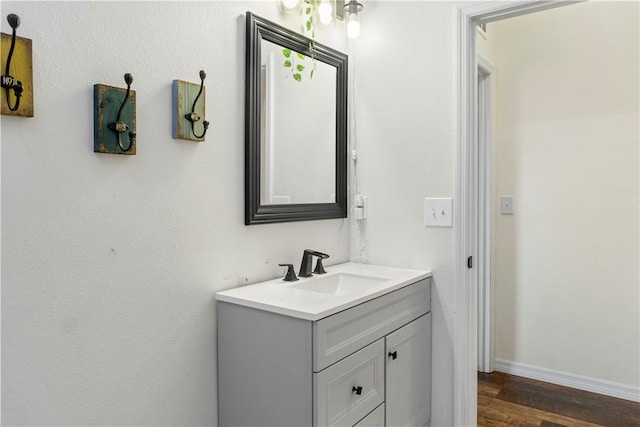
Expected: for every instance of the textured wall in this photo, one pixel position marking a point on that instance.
(110, 263)
(567, 262)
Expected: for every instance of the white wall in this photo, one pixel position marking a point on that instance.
(567, 148)
(405, 91)
(110, 263)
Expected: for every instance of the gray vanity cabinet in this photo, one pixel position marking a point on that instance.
(368, 365)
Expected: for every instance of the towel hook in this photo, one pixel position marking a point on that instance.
(9, 82)
(192, 116)
(120, 127)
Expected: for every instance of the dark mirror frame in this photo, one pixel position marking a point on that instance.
(259, 29)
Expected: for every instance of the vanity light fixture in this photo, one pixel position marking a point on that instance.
(325, 11)
(353, 23)
(290, 4)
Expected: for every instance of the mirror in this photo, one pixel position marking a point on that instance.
(295, 127)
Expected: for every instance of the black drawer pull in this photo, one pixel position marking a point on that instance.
(393, 355)
(357, 390)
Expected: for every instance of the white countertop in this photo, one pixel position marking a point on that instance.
(282, 297)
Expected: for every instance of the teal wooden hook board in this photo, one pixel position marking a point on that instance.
(114, 124)
(188, 109)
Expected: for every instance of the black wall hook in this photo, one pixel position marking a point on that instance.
(9, 82)
(120, 127)
(192, 116)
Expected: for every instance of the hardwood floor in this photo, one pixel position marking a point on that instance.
(508, 400)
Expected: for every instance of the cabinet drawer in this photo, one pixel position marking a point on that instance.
(374, 419)
(337, 402)
(337, 336)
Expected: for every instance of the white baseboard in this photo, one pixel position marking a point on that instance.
(594, 385)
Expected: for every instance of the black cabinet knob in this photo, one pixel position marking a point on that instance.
(357, 390)
(393, 355)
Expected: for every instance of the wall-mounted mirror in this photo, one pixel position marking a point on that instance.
(295, 127)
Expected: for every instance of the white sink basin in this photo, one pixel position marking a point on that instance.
(340, 283)
(319, 296)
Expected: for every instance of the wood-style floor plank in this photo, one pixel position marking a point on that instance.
(509, 400)
(487, 389)
(488, 422)
(513, 414)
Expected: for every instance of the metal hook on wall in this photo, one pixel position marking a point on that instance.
(192, 116)
(120, 127)
(9, 82)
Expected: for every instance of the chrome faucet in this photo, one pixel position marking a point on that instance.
(307, 262)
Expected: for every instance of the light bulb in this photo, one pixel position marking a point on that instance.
(326, 19)
(290, 4)
(353, 26)
(324, 10)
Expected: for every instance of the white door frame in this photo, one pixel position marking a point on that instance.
(486, 88)
(466, 236)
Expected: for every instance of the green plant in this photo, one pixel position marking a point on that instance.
(310, 8)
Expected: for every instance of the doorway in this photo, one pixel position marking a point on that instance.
(467, 193)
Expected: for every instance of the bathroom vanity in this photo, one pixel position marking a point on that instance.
(348, 348)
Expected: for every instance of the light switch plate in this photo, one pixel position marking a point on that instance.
(506, 205)
(438, 212)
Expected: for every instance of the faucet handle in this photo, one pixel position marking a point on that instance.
(291, 274)
(319, 267)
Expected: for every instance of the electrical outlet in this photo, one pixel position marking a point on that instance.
(361, 208)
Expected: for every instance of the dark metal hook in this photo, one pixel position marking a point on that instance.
(192, 116)
(8, 81)
(119, 127)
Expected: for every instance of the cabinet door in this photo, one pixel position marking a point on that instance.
(408, 381)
